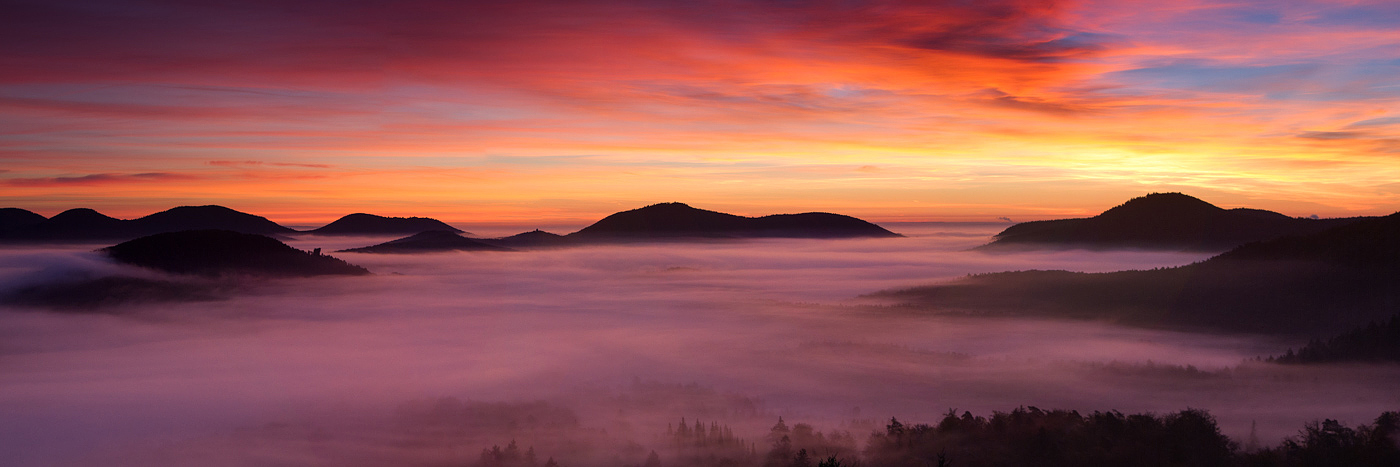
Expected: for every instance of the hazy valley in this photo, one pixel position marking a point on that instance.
(588, 354)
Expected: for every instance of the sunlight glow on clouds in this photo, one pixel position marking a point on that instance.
(486, 110)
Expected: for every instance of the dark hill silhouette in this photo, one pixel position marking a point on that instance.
(1169, 221)
(77, 224)
(223, 252)
(84, 224)
(428, 242)
(370, 224)
(204, 218)
(530, 240)
(16, 218)
(1321, 283)
(677, 220)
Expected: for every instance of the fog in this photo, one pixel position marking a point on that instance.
(622, 340)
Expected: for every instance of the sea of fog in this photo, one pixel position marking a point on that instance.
(587, 354)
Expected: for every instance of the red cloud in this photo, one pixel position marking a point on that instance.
(97, 179)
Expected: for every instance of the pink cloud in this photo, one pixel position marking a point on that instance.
(269, 164)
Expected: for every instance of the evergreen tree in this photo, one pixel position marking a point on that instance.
(653, 460)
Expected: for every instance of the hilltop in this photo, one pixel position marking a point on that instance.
(370, 224)
(206, 218)
(530, 240)
(223, 252)
(16, 218)
(428, 242)
(677, 220)
(1165, 221)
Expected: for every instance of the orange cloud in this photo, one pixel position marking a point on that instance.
(478, 108)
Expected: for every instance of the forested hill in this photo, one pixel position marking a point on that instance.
(1326, 282)
(677, 220)
(1162, 221)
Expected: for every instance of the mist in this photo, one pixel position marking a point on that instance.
(600, 348)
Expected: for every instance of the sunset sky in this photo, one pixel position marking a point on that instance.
(524, 111)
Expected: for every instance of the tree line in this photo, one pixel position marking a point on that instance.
(1023, 436)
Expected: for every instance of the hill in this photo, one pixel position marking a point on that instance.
(1167, 221)
(530, 240)
(16, 218)
(84, 224)
(223, 252)
(1321, 283)
(677, 220)
(428, 242)
(206, 218)
(77, 224)
(1374, 342)
(370, 224)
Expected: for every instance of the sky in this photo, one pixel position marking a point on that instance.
(561, 111)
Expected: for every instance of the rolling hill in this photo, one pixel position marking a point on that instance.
(16, 218)
(84, 224)
(1162, 221)
(533, 239)
(370, 224)
(428, 242)
(678, 221)
(223, 252)
(206, 218)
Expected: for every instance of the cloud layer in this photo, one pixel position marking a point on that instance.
(313, 370)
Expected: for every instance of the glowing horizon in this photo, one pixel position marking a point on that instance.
(563, 112)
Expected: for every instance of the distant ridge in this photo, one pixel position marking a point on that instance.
(223, 252)
(1324, 282)
(428, 242)
(205, 218)
(530, 240)
(1165, 221)
(78, 224)
(370, 224)
(677, 220)
(665, 221)
(84, 224)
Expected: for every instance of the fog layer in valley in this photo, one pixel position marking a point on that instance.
(587, 354)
